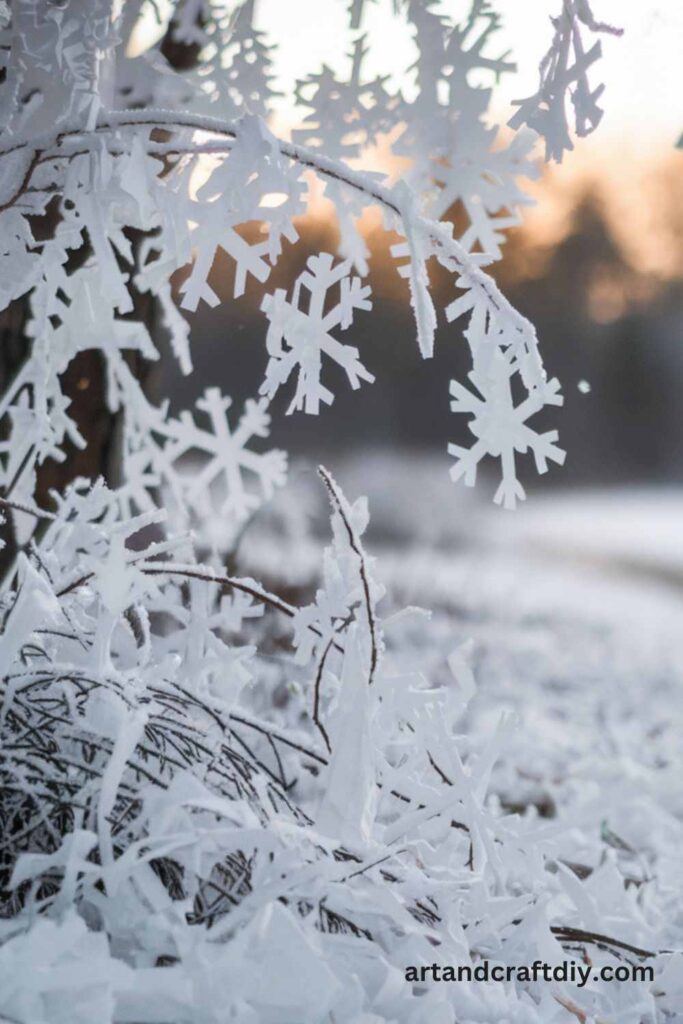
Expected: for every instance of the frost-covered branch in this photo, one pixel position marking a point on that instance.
(425, 240)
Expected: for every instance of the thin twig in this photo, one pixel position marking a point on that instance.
(18, 506)
(338, 502)
(597, 939)
(316, 696)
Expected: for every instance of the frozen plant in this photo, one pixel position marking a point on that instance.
(175, 837)
(205, 783)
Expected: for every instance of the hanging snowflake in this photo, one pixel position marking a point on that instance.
(484, 181)
(456, 156)
(235, 72)
(228, 481)
(297, 338)
(563, 76)
(239, 190)
(226, 458)
(501, 429)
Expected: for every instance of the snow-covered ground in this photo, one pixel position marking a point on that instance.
(572, 609)
(635, 529)
(508, 789)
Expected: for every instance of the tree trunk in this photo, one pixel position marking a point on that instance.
(84, 381)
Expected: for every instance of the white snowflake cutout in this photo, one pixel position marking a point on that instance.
(298, 337)
(228, 481)
(501, 429)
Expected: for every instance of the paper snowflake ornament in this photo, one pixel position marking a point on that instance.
(345, 117)
(300, 333)
(501, 428)
(225, 463)
(207, 473)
